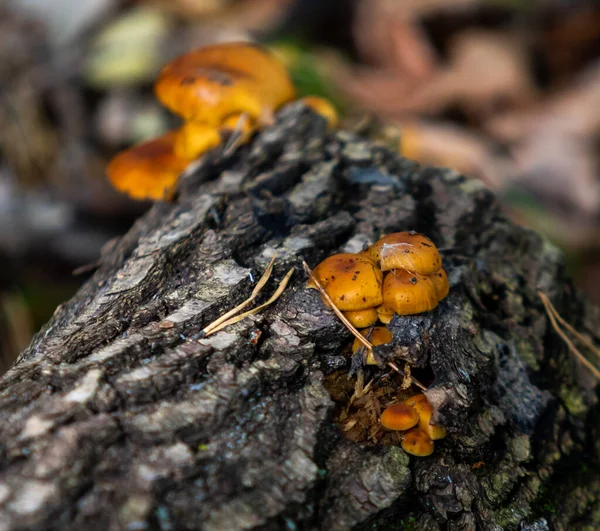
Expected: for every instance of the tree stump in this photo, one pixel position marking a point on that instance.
(120, 415)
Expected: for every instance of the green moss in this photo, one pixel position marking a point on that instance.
(573, 400)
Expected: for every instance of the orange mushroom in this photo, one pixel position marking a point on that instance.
(195, 138)
(417, 442)
(353, 282)
(149, 170)
(380, 335)
(409, 251)
(385, 315)
(399, 417)
(442, 286)
(322, 107)
(215, 82)
(362, 318)
(425, 410)
(408, 293)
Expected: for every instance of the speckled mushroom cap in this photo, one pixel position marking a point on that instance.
(408, 293)
(353, 282)
(149, 170)
(409, 251)
(440, 281)
(214, 82)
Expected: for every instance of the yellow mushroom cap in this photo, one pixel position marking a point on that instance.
(417, 442)
(408, 293)
(362, 318)
(409, 251)
(353, 282)
(425, 410)
(440, 281)
(194, 139)
(385, 315)
(214, 82)
(323, 107)
(380, 335)
(149, 170)
(399, 417)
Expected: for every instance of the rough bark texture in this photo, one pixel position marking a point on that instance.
(118, 417)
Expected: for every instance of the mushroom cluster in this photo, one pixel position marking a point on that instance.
(217, 89)
(399, 274)
(413, 418)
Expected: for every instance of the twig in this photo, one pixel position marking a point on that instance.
(257, 289)
(395, 367)
(282, 285)
(336, 310)
(550, 311)
(582, 337)
(235, 139)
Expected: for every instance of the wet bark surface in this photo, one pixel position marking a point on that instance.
(119, 416)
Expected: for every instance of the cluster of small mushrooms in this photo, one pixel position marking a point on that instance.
(400, 274)
(217, 90)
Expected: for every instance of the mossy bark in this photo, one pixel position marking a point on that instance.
(120, 416)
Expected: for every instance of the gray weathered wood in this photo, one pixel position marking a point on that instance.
(119, 417)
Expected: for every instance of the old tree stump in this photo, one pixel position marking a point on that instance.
(119, 417)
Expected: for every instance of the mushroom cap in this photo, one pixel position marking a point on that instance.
(362, 318)
(194, 139)
(408, 293)
(149, 170)
(417, 442)
(379, 336)
(399, 417)
(409, 251)
(353, 282)
(213, 82)
(440, 281)
(385, 315)
(324, 108)
(425, 410)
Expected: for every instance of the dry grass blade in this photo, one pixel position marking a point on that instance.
(282, 285)
(395, 367)
(257, 289)
(583, 338)
(551, 311)
(236, 137)
(336, 310)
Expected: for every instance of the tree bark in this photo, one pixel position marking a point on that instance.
(120, 416)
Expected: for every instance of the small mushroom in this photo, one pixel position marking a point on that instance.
(442, 286)
(399, 417)
(417, 442)
(212, 83)
(380, 335)
(385, 315)
(195, 138)
(149, 170)
(324, 108)
(362, 318)
(408, 293)
(353, 282)
(425, 410)
(409, 251)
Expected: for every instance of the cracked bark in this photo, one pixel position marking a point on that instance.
(118, 417)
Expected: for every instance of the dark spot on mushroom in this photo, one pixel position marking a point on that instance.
(407, 250)
(354, 277)
(364, 299)
(425, 244)
(343, 298)
(413, 280)
(188, 80)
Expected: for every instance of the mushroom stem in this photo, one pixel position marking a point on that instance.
(340, 315)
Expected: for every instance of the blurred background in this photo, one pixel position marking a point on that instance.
(507, 91)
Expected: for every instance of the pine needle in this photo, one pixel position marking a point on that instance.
(553, 315)
(336, 310)
(255, 292)
(282, 285)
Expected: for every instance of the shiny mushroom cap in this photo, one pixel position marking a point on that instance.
(149, 170)
(353, 282)
(409, 251)
(417, 442)
(408, 293)
(214, 82)
(362, 318)
(425, 410)
(399, 417)
(442, 286)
